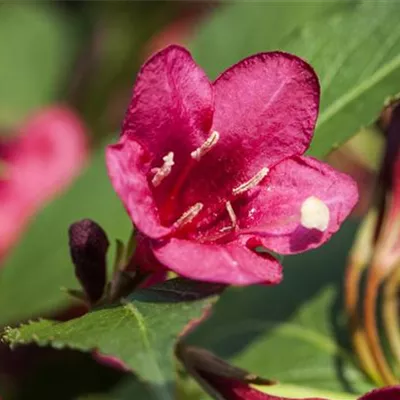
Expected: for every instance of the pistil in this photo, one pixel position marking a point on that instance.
(314, 214)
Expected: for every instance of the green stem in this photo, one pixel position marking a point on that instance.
(373, 283)
(391, 318)
(359, 340)
(358, 261)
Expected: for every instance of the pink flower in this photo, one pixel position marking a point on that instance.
(36, 164)
(208, 171)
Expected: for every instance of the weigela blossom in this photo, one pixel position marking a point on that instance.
(35, 164)
(209, 171)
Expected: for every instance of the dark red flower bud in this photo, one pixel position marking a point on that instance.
(390, 169)
(220, 379)
(88, 246)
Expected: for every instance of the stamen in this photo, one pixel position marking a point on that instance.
(314, 214)
(253, 182)
(231, 213)
(189, 215)
(162, 172)
(232, 217)
(205, 147)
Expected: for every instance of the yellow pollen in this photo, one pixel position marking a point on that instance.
(189, 215)
(162, 172)
(254, 181)
(314, 214)
(206, 146)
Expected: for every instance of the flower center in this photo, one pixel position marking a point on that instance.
(160, 173)
(314, 214)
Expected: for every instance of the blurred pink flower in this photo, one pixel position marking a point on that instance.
(210, 171)
(36, 164)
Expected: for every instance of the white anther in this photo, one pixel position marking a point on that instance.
(162, 172)
(314, 214)
(254, 181)
(189, 215)
(205, 147)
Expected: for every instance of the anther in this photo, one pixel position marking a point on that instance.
(253, 182)
(231, 214)
(189, 215)
(205, 147)
(232, 217)
(314, 214)
(162, 172)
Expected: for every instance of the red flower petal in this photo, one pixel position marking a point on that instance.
(266, 107)
(274, 213)
(125, 162)
(232, 389)
(230, 263)
(388, 393)
(171, 107)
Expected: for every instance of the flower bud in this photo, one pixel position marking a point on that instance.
(219, 378)
(88, 246)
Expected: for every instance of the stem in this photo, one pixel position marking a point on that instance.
(359, 340)
(358, 261)
(391, 318)
(372, 289)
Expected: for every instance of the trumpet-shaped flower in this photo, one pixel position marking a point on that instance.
(209, 171)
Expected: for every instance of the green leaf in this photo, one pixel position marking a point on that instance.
(140, 331)
(294, 332)
(244, 28)
(31, 278)
(355, 51)
(36, 51)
